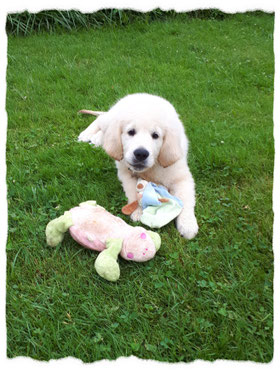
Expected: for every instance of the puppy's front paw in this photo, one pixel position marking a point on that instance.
(136, 215)
(187, 225)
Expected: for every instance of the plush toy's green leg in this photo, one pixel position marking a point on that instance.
(56, 228)
(92, 203)
(106, 264)
(156, 238)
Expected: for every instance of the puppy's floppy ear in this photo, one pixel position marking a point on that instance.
(112, 143)
(170, 151)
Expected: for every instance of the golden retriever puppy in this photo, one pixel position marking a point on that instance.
(145, 136)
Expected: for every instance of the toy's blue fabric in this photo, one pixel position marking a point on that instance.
(165, 194)
(155, 213)
(150, 195)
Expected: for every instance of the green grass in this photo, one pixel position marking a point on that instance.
(209, 298)
(56, 20)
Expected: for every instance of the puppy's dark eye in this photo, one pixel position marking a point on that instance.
(131, 132)
(155, 135)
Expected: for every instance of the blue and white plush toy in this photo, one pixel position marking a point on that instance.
(158, 205)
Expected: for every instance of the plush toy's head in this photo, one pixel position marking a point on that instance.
(141, 245)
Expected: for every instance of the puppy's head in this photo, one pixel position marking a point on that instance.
(142, 143)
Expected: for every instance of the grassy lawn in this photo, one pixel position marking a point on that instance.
(209, 298)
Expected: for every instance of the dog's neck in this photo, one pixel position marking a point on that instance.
(137, 175)
(145, 175)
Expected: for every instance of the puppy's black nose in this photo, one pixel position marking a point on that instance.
(141, 154)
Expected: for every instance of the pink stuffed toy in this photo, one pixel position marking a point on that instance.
(95, 228)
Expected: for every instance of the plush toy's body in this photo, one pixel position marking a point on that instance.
(158, 205)
(95, 228)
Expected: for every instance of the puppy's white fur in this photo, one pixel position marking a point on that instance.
(146, 115)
